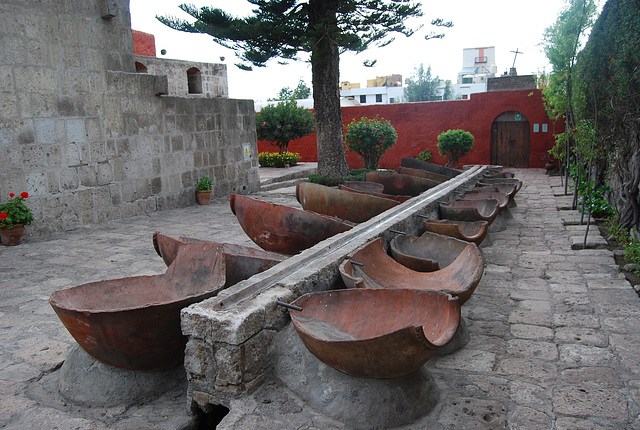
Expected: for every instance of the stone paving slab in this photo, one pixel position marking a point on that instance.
(553, 330)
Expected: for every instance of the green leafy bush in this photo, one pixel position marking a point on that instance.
(596, 202)
(333, 181)
(455, 144)
(628, 240)
(204, 184)
(274, 159)
(283, 123)
(370, 138)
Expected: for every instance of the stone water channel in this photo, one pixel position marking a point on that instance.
(229, 335)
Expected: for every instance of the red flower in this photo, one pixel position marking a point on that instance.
(11, 195)
(3, 215)
(24, 194)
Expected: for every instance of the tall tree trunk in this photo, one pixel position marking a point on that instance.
(325, 71)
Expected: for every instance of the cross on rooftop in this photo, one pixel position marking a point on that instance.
(516, 56)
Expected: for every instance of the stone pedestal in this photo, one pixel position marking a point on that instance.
(360, 403)
(84, 381)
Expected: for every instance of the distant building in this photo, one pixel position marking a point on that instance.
(381, 90)
(478, 65)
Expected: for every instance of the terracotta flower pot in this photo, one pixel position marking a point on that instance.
(203, 196)
(12, 236)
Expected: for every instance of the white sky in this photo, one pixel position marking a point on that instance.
(506, 24)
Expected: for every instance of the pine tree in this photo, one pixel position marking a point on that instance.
(322, 28)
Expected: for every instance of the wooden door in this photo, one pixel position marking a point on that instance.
(510, 141)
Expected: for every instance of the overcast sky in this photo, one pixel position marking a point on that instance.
(506, 24)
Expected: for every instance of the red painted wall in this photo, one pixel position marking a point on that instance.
(144, 43)
(419, 124)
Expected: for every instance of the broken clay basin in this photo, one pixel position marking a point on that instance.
(430, 252)
(372, 189)
(283, 229)
(470, 210)
(396, 183)
(471, 231)
(414, 163)
(376, 333)
(508, 189)
(240, 262)
(423, 174)
(371, 267)
(497, 181)
(134, 323)
(501, 198)
(354, 207)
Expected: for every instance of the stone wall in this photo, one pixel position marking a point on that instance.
(92, 140)
(511, 83)
(213, 77)
(419, 124)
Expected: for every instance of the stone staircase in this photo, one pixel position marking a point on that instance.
(274, 178)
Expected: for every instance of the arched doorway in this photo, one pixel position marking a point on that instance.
(510, 140)
(194, 81)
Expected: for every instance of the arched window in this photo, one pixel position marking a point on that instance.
(194, 81)
(140, 68)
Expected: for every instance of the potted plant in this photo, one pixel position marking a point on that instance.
(14, 216)
(203, 192)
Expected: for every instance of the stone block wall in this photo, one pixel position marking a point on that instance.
(92, 140)
(213, 77)
(511, 83)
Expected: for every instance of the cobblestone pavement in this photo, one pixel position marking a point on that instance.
(553, 339)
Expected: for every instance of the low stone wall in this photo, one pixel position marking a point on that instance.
(212, 76)
(229, 335)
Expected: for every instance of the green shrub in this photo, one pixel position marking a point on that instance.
(333, 181)
(627, 240)
(370, 138)
(283, 123)
(274, 159)
(455, 144)
(204, 184)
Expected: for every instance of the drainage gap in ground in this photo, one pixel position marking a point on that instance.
(210, 418)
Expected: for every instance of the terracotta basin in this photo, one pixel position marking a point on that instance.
(414, 163)
(134, 323)
(470, 210)
(241, 262)
(431, 252)
(372, 189)
(471, 231)
(501, 198)
(499, 175)
(379, 270)
(423, 174)
(283, 229)
(376, 333)
(494, 181)
(354, 207)
(508, 189)
(396, 183)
